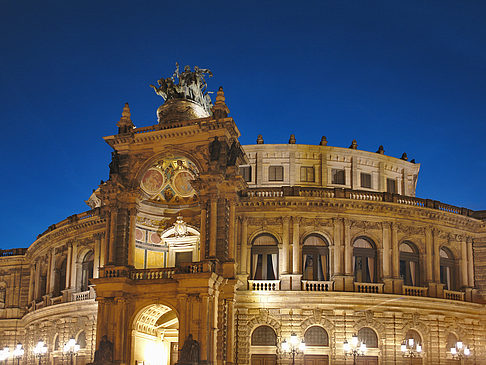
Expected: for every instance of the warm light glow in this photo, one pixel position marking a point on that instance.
(410, 342)
(40, 349)
(154, 354)
(19, 351)
(467, 352)
(302, 346)
(419, 348)
(346, 347)
(4, 354)
(363, 348)
(453, 351)
(403, 347)
(459, 345)
(71, 346)
(354, 341)
(294, 340)
(285, 346)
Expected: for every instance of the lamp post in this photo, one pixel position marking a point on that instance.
(459, 351)
(40, 350)
(71, 348)
(4, 354)
(293, 346)
(411, 349)
(354, 348)
(18, 352)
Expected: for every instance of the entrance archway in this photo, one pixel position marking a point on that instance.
(155, 336)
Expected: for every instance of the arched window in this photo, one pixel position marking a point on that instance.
(447, 269)
(264, 255)
(264, 336)
(409, 264)
(316, 336)
(56, 342)
(364, 260)
(451, 341)
(60, 277)
(81, 340)
(368, 336)
(416, 337)
(87, 270)
(315, 255)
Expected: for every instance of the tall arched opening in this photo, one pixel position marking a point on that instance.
(155, 334)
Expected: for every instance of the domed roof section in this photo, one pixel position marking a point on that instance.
(185, 100)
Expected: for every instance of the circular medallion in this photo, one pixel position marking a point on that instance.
(152, 181)
(182, 183)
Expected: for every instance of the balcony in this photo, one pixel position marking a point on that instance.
(309, 285)
(415, 291)
(453, 295)
(374, 288)
(264, 285)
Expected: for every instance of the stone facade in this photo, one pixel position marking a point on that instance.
(238, 247)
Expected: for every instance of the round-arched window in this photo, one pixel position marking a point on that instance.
(409, 264)
(316, 336)
(315, 263)
(368, 336)
(264, 336)
(364, 260)
(264, 257)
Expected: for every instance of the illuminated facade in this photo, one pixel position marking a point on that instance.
(239, 247)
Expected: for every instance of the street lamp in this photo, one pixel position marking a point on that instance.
(18, 352)
(459, 351)
(4, 354)
(293, 346)
(411, 349)
(354, 348)
(71, 348)
(40, 350)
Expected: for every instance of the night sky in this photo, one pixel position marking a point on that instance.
(409, 75)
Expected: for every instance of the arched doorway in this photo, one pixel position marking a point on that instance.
(155, 335)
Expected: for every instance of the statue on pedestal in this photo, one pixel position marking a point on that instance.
(190, 352)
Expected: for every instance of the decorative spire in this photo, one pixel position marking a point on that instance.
(354, 145)
(292, 139)
(381, 151)
(323, 141)
(220, 109)
(260, 139)
(404, 156)
(125, 124)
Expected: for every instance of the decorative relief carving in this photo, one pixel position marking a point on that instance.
(410, 230)
(365, 225)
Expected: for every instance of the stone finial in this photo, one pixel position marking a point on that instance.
(412, 160)
(323, 141)
(260, 139)
(125, 124)
(220, 109)
(404, 156)
(381, 151)
(292, 139)
(354, 145)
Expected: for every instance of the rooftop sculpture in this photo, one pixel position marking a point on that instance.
(191, 85)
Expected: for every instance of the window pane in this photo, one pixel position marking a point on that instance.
(307, 174)
(316, 336)
(338, 176)
(245, 171)
(263, 336)
(365, 180)
(391, 186)
(275, 173)
(368, 336)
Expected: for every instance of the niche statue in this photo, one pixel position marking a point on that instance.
(104, 354)
(190, 352)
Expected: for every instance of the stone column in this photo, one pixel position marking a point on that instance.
(213, 226)
(338, 268)
(386, 235)
(31, 283)
(131, 236)
(103, 249)
(296, 260)
(436, 245)
(429, 255)
(51, 271)
(203, 233)
(37, 280)
(470, 259)
(348, 249)
(244, 246)
(231, 229)
(230, 336)
(112, 247)
(395, 252)
(286, 245)
(74, 260)
(97, 249)
(464, 269)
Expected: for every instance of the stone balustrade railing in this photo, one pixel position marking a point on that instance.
(300, 191)
(152, 274)
(453, 295)
(264, 285)
(309, 285)
(374, 288)
(84, 295)
(415, 291)
(13, 252)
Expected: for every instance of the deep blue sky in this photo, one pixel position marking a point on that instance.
(410, 75)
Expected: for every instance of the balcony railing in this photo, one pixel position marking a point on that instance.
(152, 274)
(374, 288)
(84, 295)
(453, 295)
(415, 291)
(309, 285)
(264, 285)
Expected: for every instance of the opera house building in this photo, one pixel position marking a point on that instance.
(198, 250)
